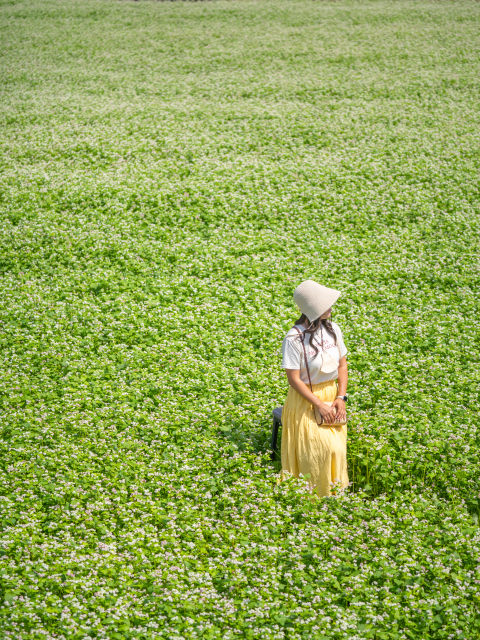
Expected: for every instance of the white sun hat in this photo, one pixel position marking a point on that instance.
(314, 299)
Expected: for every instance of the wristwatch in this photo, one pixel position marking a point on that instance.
(344, 398)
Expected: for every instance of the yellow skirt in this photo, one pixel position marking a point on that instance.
(310, 449)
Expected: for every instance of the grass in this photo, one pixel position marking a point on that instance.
(170, 172)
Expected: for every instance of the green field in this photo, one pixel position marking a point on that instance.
(170, 172)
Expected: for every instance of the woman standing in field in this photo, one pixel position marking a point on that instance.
(314, 357)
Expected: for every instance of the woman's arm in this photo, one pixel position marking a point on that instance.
(342, 388)
(293, 375)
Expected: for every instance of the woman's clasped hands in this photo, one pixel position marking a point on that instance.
(335, 413)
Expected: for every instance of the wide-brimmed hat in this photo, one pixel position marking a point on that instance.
(314, 299)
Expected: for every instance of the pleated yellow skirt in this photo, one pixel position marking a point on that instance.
(307, 448)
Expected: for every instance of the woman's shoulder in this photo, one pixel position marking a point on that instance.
(338, 331)
(293, 333)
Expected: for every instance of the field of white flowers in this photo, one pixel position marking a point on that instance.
(169, 173)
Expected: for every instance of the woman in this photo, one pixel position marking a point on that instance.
(307, 448)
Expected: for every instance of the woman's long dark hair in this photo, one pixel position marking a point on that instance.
(314, 327)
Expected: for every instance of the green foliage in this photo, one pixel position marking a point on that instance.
(170, 172)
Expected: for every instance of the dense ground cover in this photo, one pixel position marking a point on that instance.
(170, 172)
